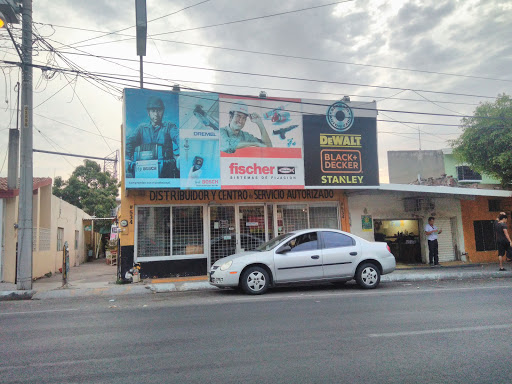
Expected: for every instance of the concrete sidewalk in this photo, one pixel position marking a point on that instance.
(99, 279)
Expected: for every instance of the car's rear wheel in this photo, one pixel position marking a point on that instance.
(368, 276)
(255, 281)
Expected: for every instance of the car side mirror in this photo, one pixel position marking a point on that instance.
(284, 249)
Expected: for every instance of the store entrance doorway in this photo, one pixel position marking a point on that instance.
(403, 238)
(237, 228)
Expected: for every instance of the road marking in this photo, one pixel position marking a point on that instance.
(446, 330)
(47, 311)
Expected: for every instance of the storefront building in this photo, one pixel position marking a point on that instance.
(398, 213)
(184, 233)
(208, 175)
(478, 218)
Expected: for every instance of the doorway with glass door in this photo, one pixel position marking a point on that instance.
(238, 228)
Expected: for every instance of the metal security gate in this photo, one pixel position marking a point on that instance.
(445, 240)
(235, 229)
(243, 227)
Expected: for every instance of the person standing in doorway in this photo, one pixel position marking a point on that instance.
(502, 238)
(431, 231)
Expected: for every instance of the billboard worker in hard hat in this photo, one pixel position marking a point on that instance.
(155, 140)
(232, 136)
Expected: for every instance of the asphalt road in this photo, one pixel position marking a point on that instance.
(448, 332)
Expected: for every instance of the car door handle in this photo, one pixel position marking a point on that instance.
(315, 257)
(353, 253)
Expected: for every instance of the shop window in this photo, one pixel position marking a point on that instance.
(60, 236)
(187, 231)
(464, 173)
(153, 232)
(323, 217)
(485, 238)
(494, 205)
(292, 218)
(301, 216)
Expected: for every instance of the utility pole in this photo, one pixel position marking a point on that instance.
(25, 222)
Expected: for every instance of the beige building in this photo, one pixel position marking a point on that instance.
(55, 222)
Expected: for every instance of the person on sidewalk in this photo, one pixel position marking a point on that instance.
(508, 254)
(502, 238)
(431, 231)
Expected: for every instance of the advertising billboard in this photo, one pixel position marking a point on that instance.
(261, 143)
(151, 142)
(340, 144)
(199, 140)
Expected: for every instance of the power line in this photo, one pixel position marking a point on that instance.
(253, 87)
(315, 104)
(80, 129)
(208, 26)
(124, 29)
(298, 78)
(204, 91)
(65, 85)
(402, 135)
(48, 140)
(88, 114)
(254, 18)
(301, 58)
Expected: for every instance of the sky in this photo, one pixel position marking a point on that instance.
(425, 63)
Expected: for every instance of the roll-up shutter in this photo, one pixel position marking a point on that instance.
(446, 249)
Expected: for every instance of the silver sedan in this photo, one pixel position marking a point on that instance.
(305, 256)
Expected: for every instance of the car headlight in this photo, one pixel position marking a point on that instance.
(226, 265)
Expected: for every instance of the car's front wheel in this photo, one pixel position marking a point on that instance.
(368, 276)
(255, 281)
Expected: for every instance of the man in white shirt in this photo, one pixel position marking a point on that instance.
(431, 231)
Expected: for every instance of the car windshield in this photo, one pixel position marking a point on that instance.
(273, 243)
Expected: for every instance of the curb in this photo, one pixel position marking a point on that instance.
(16, 295)
(140, 288)
(88, 292)
(445, 276)
(170, 287)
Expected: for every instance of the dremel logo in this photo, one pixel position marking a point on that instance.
(340, 117)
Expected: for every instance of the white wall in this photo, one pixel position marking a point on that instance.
(390, 206)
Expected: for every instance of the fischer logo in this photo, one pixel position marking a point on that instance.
(286, 170)
(254, 169)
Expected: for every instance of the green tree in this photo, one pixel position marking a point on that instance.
(486, 141)
(89, 188)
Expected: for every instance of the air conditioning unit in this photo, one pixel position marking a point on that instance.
(418, 204)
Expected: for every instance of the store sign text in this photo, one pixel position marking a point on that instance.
(209, 195)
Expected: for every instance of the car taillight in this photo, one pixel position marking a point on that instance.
(389, 249)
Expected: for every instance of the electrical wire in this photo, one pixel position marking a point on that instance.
(105, 34)
(54, 147)
(273, 89)
(80, 129)
(298, 58)
(298, 78)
